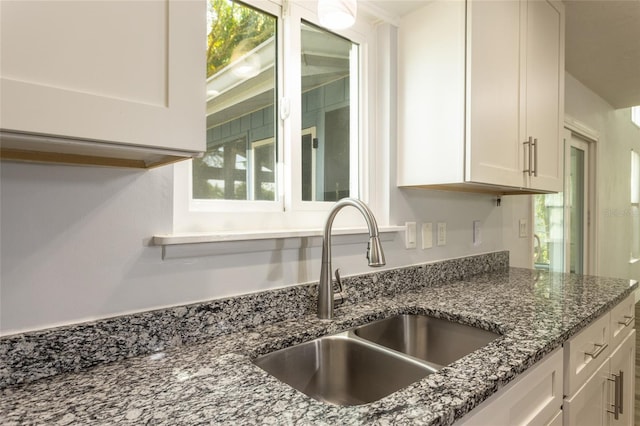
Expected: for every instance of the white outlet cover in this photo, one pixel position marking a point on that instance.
(410, 235)
(477, 235)
(442, 233)
(523, 232)
(427, 235)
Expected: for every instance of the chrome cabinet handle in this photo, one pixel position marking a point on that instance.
(599, 348)
(627, 321)
(535, 157)
(621, 387)
(529, 157)
(618, 387)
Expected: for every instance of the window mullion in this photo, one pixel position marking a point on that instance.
(292, 94)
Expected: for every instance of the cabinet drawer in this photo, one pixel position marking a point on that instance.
(622, 320)
(585, 352)
(534, 398)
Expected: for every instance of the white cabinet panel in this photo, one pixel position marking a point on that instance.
(493, 54)
(589, 405)
(532, 399)
(584, 353)
(544, 93)
(476, 80)
(622, 320)
(622, 368)
(121, 73)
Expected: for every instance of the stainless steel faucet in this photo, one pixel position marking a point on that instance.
(375, 255)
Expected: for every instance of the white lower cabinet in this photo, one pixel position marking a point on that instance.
(535, 398)
(557, 420)
(590, 381)
(622, 367)
(588, 405)
(607, 398)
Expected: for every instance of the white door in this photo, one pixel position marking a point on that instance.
(562, 221)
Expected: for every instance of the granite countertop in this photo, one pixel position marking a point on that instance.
(216, 382)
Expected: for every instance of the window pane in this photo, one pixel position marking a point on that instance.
(264, 184)
(241, 92)
(327, 105)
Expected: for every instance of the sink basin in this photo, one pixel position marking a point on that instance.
(342, 370)
(436, 341)
(372, 361)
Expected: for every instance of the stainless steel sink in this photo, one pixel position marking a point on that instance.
(342, 370)
(436, 341)
(372, 361)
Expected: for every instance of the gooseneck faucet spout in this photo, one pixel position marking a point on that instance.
(375, 255)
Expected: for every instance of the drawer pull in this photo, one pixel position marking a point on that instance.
(621, 388)
(628, 320)
(598, 350)
(617, 406)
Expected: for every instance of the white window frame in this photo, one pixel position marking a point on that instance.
(312, 132)
(251, 178)
(288, 212)
(635, 115)
(634, 210)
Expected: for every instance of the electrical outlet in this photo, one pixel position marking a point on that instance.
(477, 237)
(523, 229)
(442, 233)
(410, 235)
(427, 235)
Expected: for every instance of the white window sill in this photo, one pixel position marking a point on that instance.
(209, 244)
(634, 260)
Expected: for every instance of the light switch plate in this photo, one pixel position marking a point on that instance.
(427, 235)
(442, 233)
(477, 236)
(410, 235)
(522, 226)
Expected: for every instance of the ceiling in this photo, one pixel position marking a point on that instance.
(603, 48)
(602, 44)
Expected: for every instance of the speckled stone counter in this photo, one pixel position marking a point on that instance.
(215, 382)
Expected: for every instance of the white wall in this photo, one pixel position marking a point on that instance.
(74, 241)
(75, 245)
(618, 135)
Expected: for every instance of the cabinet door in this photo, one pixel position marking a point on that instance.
(544, 94)
(589, 405)
(129, 72)
(493, 152)
(623, 366)
(533, 399)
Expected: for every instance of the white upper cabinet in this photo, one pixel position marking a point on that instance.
(476, 81)
(103, 82)
(544, 94)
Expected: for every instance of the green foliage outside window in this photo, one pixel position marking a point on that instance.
(542, 228)
(234, 30)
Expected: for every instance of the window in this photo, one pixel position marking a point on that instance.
(285, 135)
(241, 92)
(326, 63)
